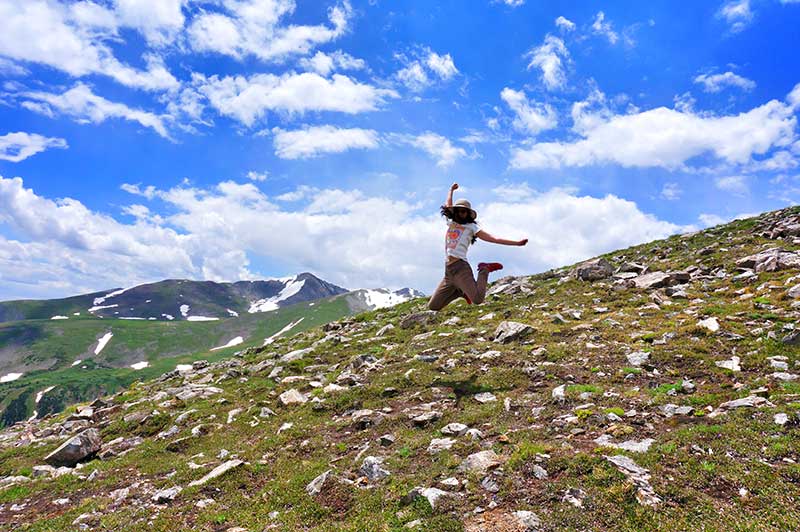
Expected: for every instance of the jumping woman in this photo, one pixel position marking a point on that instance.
(462, 231)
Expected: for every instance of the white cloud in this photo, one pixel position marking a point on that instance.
(735, 184)
(665, 138)
(84, 106)
(601, 27)
(565, 24)
(421, 73)
(671, 191)
(159, 21)
(442, 65)
(16, 147)
(530, 117)
(550, 58)
(248, 99)
(438, 147)
(514, 192)
(344, 236)
(45, 32)
(737, 14)
(324, 64)
(252, 175)
(314, 141)
(253, 27)
(716, 82)
(148, 192)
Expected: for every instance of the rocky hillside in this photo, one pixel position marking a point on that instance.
(654, 388)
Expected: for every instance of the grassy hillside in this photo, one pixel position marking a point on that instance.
(50, 347)
(671, 405)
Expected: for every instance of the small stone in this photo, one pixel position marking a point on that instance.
(438, 445)
(166, 495)
(637, 358)
(315, 486)
(480, 462)
(217, 472)
(485, 397)
(510, 331)
(781, 419)
(709, 323)
(371, 468)
(426, 418)
(292, 397)
(732, 364)
(454, 429)
(386, 440)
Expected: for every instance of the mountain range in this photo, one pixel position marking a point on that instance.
(90, 344)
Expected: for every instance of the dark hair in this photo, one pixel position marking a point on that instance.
(449, 213)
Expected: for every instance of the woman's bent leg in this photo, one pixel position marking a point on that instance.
(465, 282)
(443, 295)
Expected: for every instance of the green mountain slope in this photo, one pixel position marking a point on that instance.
(656, 389)
(47, 349)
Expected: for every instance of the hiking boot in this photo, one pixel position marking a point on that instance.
(490, 266)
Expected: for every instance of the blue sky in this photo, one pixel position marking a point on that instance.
(241, 139)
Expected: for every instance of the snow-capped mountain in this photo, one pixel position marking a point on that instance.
(200, 300)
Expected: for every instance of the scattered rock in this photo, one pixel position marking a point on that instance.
(166, 495)
(709, 323)
(485, 397)
(454, 429)
(438, 445)
(77, 448)
(594, 270)
(292, 397)
(510, 331)
(480, 462)
(418, 318)
(640, 478)
(637, 358)
(217, 472)
(371, 468)
(732, 364)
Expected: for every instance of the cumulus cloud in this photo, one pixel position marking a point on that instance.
(737, 14)
(16, 147)
(324, 64)
(313, 141)
(84, 106)
(564, 24)
(420, 73)
(67, 39)
(438, 147)
(550, 58)
(252, 175)
(340, 235)
(716, 82)
(159, 21)
(530, 117)
(663, 137)
(253, 27)
(248, 99)
(603, 28)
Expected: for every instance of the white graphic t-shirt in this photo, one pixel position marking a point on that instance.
(458, 238)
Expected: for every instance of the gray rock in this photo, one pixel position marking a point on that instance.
(417, 318)
(166, 495)
(438, 445)
(529, 520)
(637, 358)
(315, 486)
(651, 280)
(594, 270)
(371, 468)
(292, 397)
(217, 472)
(510, 331)
(77, 448)
(480, 462)
(639, 476)
(751, 401)
(770, 260)
(485, 397)
(454, 429)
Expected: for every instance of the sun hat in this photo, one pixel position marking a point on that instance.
(465, 205)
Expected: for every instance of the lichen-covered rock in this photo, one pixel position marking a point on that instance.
(510, 331)
(594, 270)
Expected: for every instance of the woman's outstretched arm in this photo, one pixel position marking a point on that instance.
(449, 202)
(483, 235)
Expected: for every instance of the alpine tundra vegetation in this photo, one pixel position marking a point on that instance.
(653, 388)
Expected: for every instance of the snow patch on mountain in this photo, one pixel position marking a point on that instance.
(59, 318)
(140, 365)
(101, 307)
(184, 310)
(236, 341)
(100, 300)
(285, 329)
(292, 287)
(101, 344)
(201, 318)
(10, 377)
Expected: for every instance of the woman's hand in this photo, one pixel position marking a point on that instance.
(522, 242)
(453, 187)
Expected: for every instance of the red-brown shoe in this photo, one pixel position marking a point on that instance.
(490, 266)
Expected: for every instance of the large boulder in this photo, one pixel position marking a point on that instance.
(75, 449)
(652, 280)
(509, 331)
(594, 270)
(770, 260)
